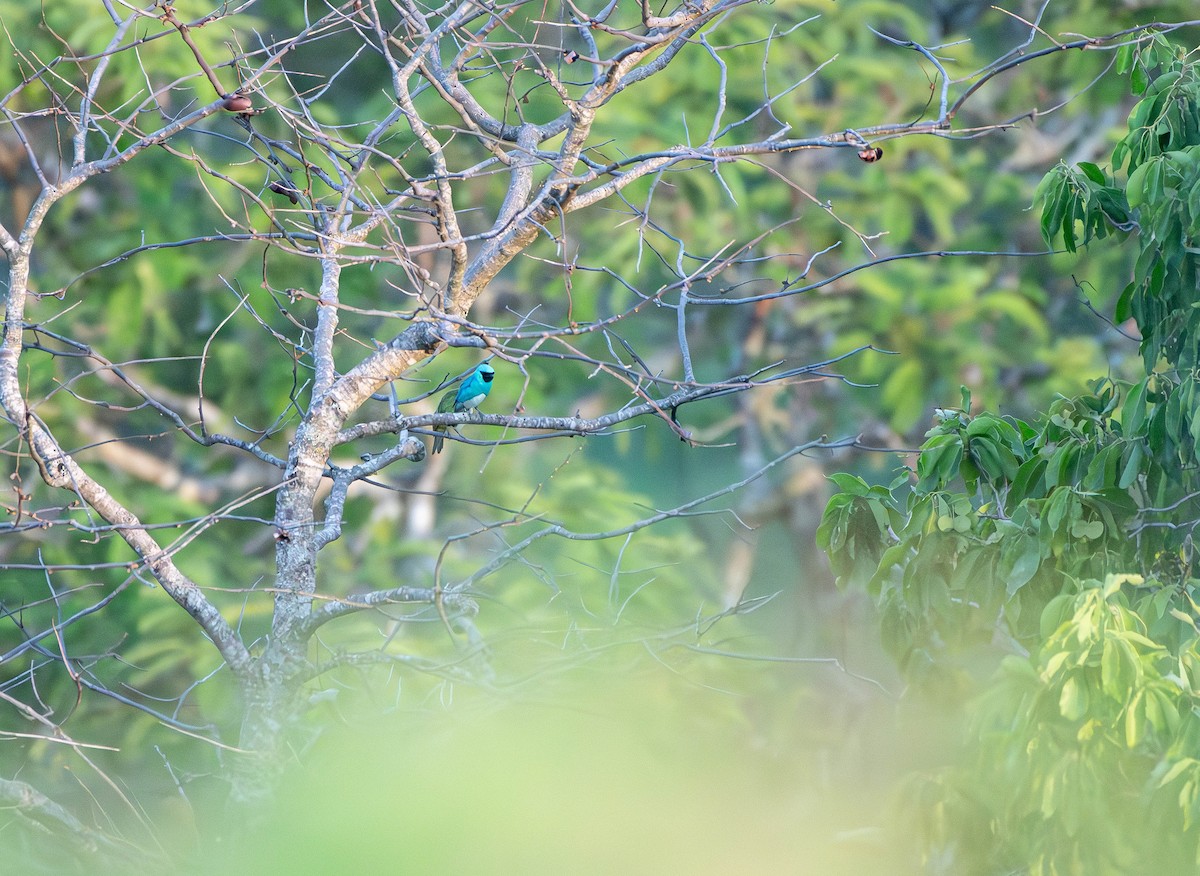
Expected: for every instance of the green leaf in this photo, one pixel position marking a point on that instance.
(1177, 769)
(1056, 200)
(1073, 699)
(1118, 502)
(1155, 713)
(1020, 558)
(1138, 80)
(1123, 311)
(1142, 186)
(1185, 618)
(1027, 483)
(1124, 60)
(1092, 172)
(1102, 470)
(1060, 469)
(1175, 415)
(1062, 511)
(848, 483)
(1136, 637)
(1134, 721)
(1133, 412)
(986, 455)
(939, 462)
(831, 532)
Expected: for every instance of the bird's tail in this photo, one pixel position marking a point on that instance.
(438, 441)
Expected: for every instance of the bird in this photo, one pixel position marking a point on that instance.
(467, 397)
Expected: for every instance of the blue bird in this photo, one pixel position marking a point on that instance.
(467, 397)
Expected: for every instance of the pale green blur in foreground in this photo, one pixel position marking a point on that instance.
(667, 771)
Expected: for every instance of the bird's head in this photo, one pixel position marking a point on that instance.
(486, 372)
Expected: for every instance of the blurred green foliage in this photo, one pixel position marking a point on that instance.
(625, 765)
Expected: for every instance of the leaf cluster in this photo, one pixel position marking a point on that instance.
(1049, 566)
(1045, 568)
(1158, 198)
